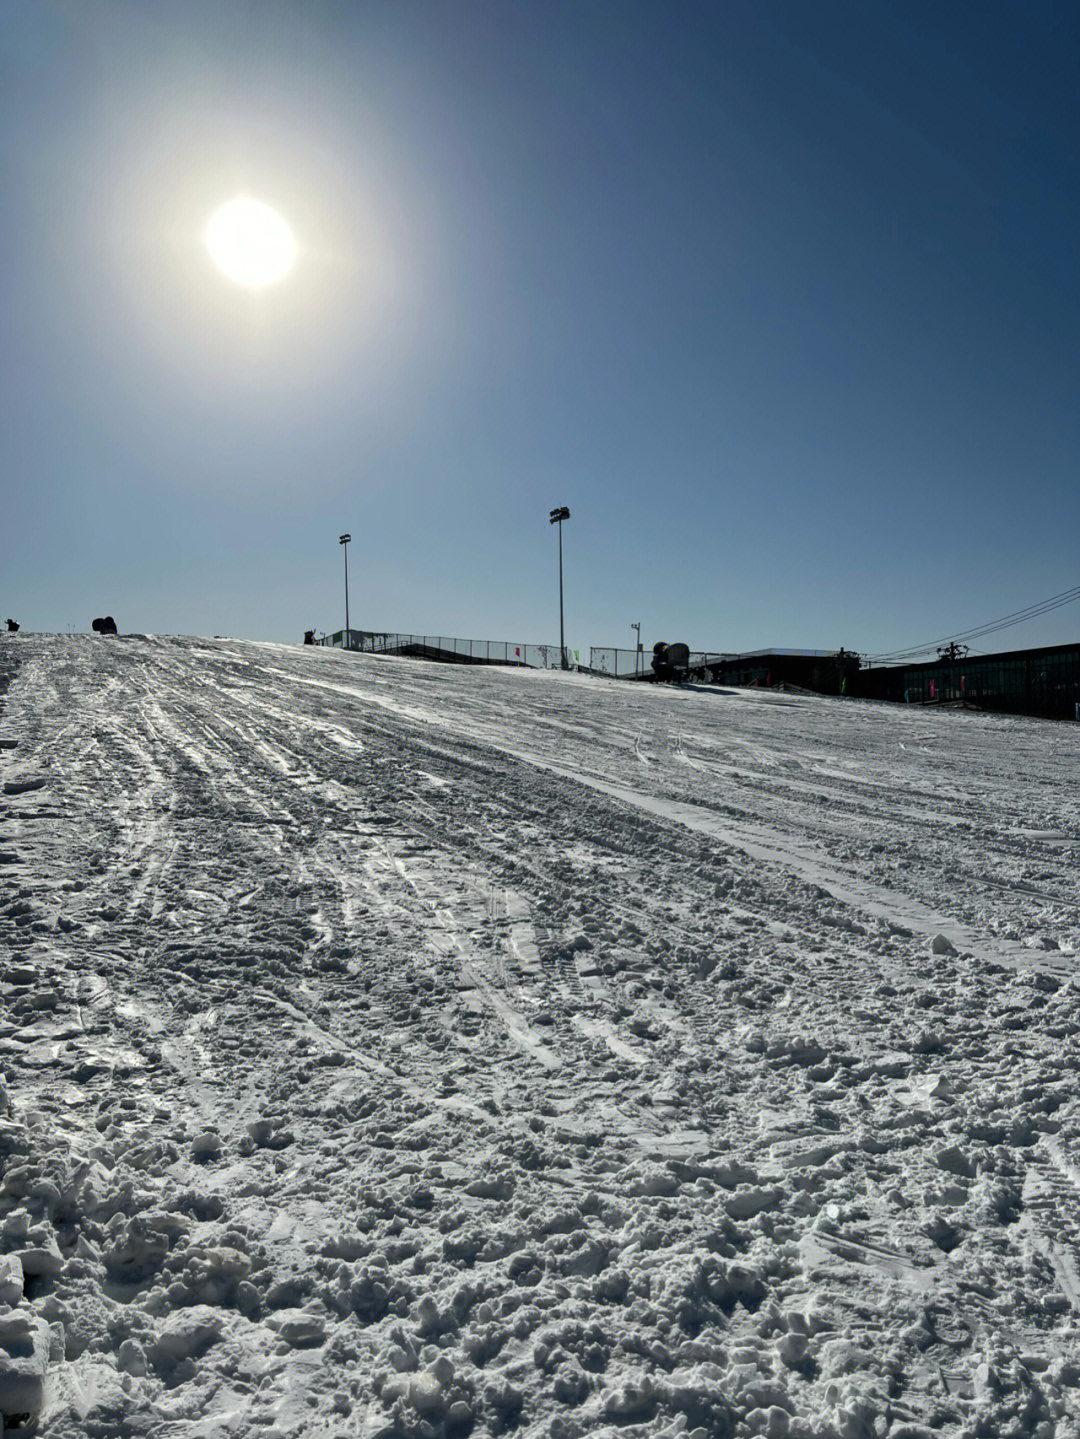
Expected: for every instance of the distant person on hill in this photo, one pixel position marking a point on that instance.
(104, 626)
(309, 637)
(847, 664)
(13, 627)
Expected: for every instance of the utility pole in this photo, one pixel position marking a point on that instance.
(637, 652)
(344, 540)
(556, 517)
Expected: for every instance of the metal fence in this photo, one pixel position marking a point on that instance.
(626, 664)
(446, 647)
(620, 664)
(602, 659)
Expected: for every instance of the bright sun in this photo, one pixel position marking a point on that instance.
(250, 243)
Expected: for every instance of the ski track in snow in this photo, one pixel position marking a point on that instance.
(398, 1049)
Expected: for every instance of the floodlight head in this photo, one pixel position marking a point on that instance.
(560, 513)
(344, 539)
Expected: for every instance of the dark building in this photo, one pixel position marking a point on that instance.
(818, 670)
(1035, 682)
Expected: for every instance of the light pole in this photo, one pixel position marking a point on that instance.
(344, 540)
(637, 652)
(556, 517)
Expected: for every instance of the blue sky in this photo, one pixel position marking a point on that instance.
(781, 299)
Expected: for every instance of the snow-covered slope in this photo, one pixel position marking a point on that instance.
(397, 1049)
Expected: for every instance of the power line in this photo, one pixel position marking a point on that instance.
(1016, 617)
(991, 627)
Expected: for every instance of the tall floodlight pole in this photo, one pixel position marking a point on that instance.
(556, 517)
(344, 540)
(637, 650)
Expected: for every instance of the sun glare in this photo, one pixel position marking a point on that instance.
(250, 243)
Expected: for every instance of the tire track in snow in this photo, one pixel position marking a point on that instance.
(812, 866)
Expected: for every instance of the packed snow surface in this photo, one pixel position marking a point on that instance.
(400, 1049)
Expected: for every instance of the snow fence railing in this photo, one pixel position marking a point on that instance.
(501, 652)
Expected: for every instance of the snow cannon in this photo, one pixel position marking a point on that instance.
(671, 663)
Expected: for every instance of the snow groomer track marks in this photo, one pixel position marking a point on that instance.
(397, 1050)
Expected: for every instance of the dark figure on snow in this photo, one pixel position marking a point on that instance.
(847, 664)
(104, 626)
(13, 627)
(309, 637)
